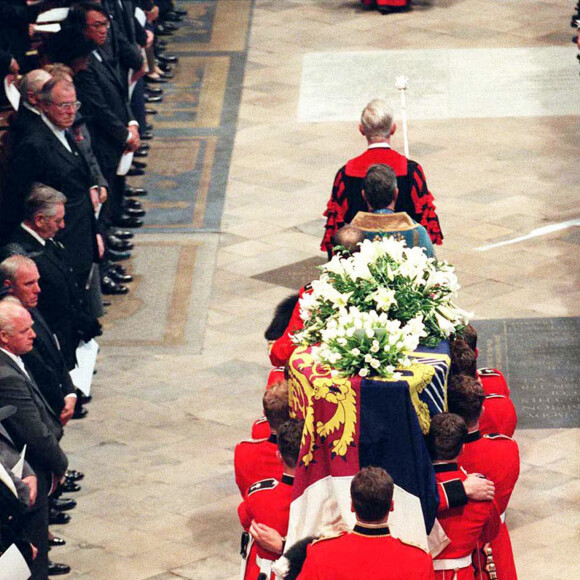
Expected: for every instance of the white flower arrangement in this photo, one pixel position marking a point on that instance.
(368, 310)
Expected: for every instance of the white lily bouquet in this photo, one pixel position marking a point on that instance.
(367, 311)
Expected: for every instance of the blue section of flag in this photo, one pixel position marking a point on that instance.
(390, 437)
(434, 395)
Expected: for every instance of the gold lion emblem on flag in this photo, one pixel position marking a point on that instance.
(320, 385)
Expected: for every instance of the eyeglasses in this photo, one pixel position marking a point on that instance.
(67, 106)
(97, 25)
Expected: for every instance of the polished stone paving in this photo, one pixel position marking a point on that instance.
(159, 500)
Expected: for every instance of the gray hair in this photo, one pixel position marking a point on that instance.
(42, 199)
(10, 308)
(45, 95)
(377, 120)
(33, 82)
(10, 266)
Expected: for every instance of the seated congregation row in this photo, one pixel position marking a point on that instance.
(66, 219)
(476, 464)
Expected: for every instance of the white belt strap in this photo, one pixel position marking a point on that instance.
(265, 566)
(502, 518)
(452, 563)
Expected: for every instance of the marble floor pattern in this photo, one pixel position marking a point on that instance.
(159, 499)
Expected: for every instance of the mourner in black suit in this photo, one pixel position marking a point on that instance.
(13, 508)
(19, 275)
(34, 424)
(112, 125)
(60, 300)
(50, 156)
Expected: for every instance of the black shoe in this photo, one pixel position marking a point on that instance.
(132, 203)
(160, 42)
(144, 147)
(126, 221)
(180, 11)
(155, 80)
(119, 268)
(56, 518)
(123, 234)
(162, 30)
(169, 26)
(148, 127)
(135, 171)
(135, 192)
(153, 98)
(80, 412)
(146, 135)
(85, 400)
(119, 278)
(166, 69)
(140, 164)
(62, 504)
(172, 17)
(106, 303)
(134, 212)
(55, 541)
(117, 256)
(148, 111)
(117, 244)
(167, 58)
(57, 569)
(73, 474)
(111, 287)
(155, 91)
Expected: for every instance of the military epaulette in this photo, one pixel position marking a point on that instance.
(412, 544)
(489, 372)
(260, 421)
(269, 483)
(252, 441)
(497, 436)
(330, 537)
(495, 396)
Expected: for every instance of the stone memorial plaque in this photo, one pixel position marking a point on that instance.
(443, 83)
(540, 358)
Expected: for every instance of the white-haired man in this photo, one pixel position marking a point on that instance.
(377, 126)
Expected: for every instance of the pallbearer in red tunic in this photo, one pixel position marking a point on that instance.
(256, 459)
(466, 526)
(267, 503)
(346, 200)
(496, 456)
(369, 551)
(499, 414)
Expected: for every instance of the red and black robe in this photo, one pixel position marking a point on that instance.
(414, 196)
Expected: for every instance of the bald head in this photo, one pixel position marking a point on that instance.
(349, 238)
(32, 84)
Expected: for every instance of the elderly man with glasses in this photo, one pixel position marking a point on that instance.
(51, 156)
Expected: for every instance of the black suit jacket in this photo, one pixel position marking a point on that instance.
(34, 424)
(104, 99)
(47, 365)
(59, 300)
(40, 157)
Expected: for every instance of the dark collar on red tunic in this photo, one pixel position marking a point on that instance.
(443, 467)
(287, 479)
(471, 437)
(273, 438)
(373, 530)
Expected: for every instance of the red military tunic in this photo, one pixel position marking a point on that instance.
(255, 460)
(499, 416)
(261, 429)
(493, 382)
(369, 551)
(267, 502)
(465, 526)
(283, 348)
(498, 458)
(414, 198)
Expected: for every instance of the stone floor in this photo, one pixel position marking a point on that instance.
(183, 361)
